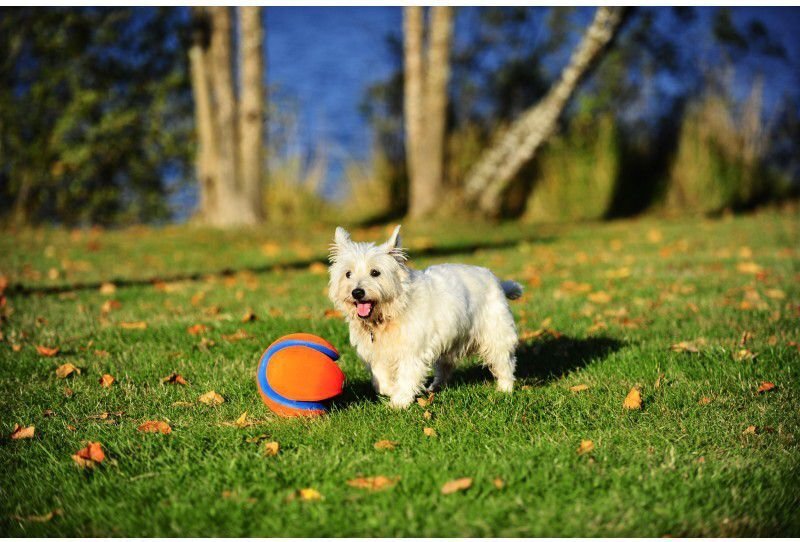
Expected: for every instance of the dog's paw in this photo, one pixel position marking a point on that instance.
(506, 386)
(401, 402)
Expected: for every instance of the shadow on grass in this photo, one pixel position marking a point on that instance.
(468, 248)
(549, 359)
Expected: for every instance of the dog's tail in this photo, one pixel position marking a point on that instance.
(513, 290)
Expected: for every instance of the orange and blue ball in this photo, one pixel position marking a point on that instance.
(298, 373)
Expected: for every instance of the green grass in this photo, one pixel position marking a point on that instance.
(677, 467)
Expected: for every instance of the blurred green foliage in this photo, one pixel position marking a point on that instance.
(95, 112)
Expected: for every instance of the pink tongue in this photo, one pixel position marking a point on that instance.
(364, 308)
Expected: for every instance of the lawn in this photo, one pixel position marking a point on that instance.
(697, 314)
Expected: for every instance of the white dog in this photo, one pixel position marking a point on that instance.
(403, 322)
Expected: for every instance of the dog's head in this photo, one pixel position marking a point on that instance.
(368, 281)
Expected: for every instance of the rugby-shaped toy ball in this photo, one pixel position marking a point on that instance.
(297, 373)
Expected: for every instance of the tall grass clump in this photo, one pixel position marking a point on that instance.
(577, 172)
(719, 163)
(292, 194)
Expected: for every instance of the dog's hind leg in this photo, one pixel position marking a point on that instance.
(441, 373)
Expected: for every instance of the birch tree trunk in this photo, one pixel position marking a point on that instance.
(413, 96)
(251, 113)
(496, 168)
(427, 186)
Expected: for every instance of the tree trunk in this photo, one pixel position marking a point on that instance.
(251, 113)
(205, 160)
(427, 189)
(496, 168)
(413, 96)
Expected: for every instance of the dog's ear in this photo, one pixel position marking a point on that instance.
(394, 246)
(340, 238)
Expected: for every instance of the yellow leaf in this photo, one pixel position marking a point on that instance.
(633, 401)
(271, 449)
(749, 268)
(459, 484)
(211, 398)
(744, 354)
(309, 494)
(155, 427)
(196, 329)
(133, 325)
(20, 432)
(107, 288)
(67, 369)
(373, 483)
(498, 483)
(249, 316)
(599, 297)
(751, 430)
(585, 447)
(774, 293)
(44, 518)
(579, 387)
(429, 432)
(106, 380)
(704, 400)
(385, 445)
(427, 415)
(318, 268)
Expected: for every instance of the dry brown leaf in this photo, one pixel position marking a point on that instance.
(271, 449)
(309, 494)
(427, 415)
(373, 483)
(20, 432)
(153, 426)
(385, 445)
(685, 346)
(66, 370)
(110, 305)
(106, 380)
(633, 401)
(108, 288)
(425, 401)
(600, 297)
(751, 430)
(133, 325)
(249, 316)
(211, 398)
(459, 484)
(498, 483)
(239, 335)
(429, 431)
(749, 268)
(44, 518)
(90, 456)
(333, 313)
(585, 447)
(47, 352)
(579, 387)
(174, 378)
(765, 387)
(744, 354)
(704, 400)
(240, 422)
(196, 329)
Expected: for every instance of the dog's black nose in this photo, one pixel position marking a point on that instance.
(358, 293)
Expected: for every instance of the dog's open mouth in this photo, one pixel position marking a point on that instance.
(364, 308)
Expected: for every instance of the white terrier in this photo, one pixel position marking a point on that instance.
(403, 322)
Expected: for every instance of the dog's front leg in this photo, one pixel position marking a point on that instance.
(381, 379)
(410, 381)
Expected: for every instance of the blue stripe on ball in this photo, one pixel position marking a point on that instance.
(272, 394)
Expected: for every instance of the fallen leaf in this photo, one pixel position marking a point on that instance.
(101, 353)
(600, 297)
(48, 412)
(333, 313)
(633, 401)
(154, 426)
(44, 518)
(427, 415)
(239, 335)
(318, 268)
(271, 449)
(498, 483)
(68, 392)
(196, 329)
(425, 401)
(47, 352)
(211, 398)
(765, 387)
(704, 400)
(685, 346)
(746, 336)
(744, 355)
(429, 431)
(459, 484)
(309, 494)
(751, 430)
(90, 456)
(774, 293)
(66, 370)
(585, 447)
(373, 483)
(133, 325)
(183, 404)
(385, 445)
(110, 305)
(249, 316)
(174, 378)
(16, 347)
(579, 387)
(749, 268)
(20, 432)
(108, 288)
(106, 380)
(241, 421)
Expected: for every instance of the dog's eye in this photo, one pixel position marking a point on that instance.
(347, 274)
(374, 273)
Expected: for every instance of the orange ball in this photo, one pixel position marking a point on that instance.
(297, 372)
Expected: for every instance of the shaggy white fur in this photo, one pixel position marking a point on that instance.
(403, 322)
